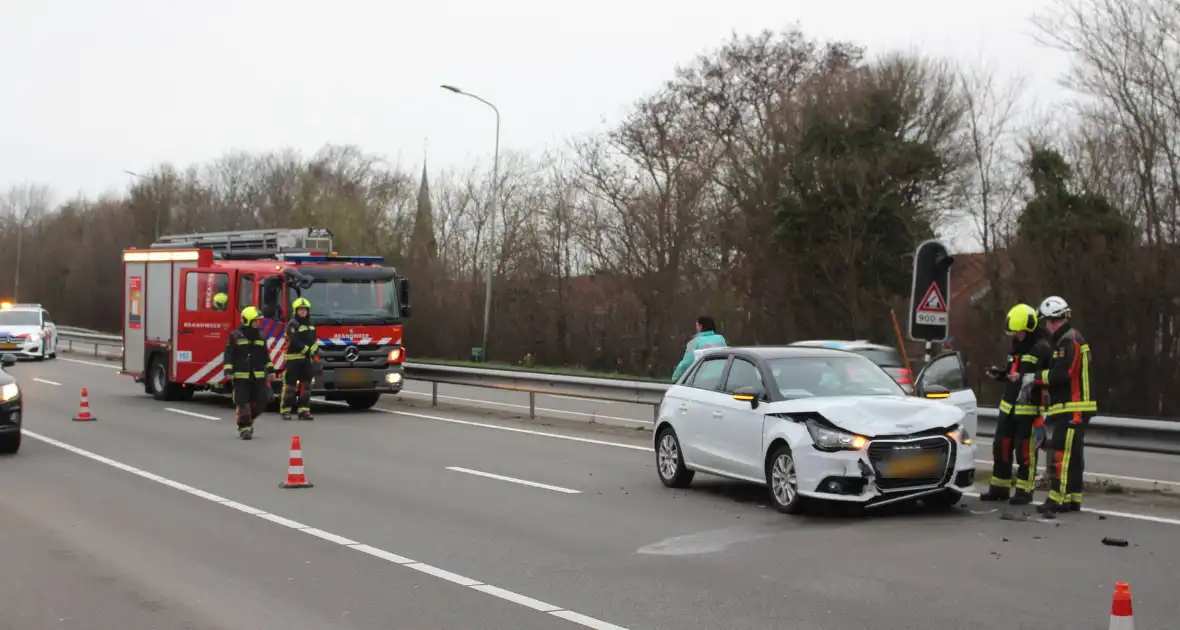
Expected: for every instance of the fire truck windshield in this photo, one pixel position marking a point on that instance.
(353, 301)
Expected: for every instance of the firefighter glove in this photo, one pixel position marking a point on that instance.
(1039, 437)
(1026, 383)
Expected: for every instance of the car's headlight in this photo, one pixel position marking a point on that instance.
(395, 355)
(829, 439)
(9, 392)
(960, 434)
(34, 337)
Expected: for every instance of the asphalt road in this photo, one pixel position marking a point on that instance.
(112, 524)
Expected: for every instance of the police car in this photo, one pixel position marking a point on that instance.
(27, 331)
(10, 408)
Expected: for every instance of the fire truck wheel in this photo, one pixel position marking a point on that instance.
(162, 388)
(362, 401)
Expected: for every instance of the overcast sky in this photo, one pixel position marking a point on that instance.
(92, 87)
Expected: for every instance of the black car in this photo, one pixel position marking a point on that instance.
(10, 408)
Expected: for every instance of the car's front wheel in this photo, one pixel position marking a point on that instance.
(784, 481)
(670, 461)
(944, 500)
(10, 443)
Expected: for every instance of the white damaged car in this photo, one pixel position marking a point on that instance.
(813, 424)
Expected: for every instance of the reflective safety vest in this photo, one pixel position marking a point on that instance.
(246, 355)
(1067, 378)
(302, 342)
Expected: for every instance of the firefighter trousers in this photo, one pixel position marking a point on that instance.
(297, 372)
(1015, 435)
(250, 396)
(1069, 464)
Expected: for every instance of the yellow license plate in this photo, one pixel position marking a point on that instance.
(8, 346)
(352, 378)
(924, 465)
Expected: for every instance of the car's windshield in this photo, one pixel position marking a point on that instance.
(351, 301)
(20, 318)
(806, 377)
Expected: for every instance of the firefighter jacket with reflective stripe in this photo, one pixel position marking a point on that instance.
(302, 342)
(1067, 379)
(246, 355)
(1030, 356)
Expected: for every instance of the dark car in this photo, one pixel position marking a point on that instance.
(886, 357)
(10, 408)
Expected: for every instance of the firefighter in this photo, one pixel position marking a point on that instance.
(302, 349)
(220, 301)
(1020, 426)
(1069, 407)
(249, 369)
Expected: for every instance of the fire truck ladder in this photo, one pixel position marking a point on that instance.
(252, 244)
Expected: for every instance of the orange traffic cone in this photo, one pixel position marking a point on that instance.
(295, 476)
(84, 409)
(1120, 608)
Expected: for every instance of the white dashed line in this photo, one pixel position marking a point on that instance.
(191, 413)
(41, 380)
(485, 425)
(109, 366)
(523, 482)
(502, 594)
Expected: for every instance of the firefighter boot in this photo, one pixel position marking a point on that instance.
(1050, 508)
(994, 493)
(285, 415)
(246, 433)
(305, 415)
(1022, 497)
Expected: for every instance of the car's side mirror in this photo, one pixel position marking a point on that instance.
(8, 360)
(748, 394)
(935, 392)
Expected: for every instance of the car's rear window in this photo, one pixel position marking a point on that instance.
(884, 358)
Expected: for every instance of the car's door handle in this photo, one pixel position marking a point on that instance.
(717, 414)
(683, 408)
(186, 332)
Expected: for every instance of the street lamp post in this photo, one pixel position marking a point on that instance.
(146, 178)
(487, 303)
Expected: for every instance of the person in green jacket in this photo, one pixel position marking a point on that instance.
(706, 337)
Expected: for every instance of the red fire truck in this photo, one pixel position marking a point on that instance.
(174, 336)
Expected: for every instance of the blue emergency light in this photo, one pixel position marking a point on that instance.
(314, 258)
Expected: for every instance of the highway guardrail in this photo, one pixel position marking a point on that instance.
(1103, 431)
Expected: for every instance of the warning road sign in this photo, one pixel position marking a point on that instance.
(932, 309)
(929, 289)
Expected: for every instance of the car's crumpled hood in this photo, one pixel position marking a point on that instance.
(877, 415)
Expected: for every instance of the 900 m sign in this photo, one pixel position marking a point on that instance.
(931, 319)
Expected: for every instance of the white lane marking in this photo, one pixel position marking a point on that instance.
(191, 413)
(101, 365)
(589, 622)
(523, 482)
(1130, 515)
(502, 594)
(485, 425)
(1102, 475)
(541, 409)
(41, 380)
(515, 598)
